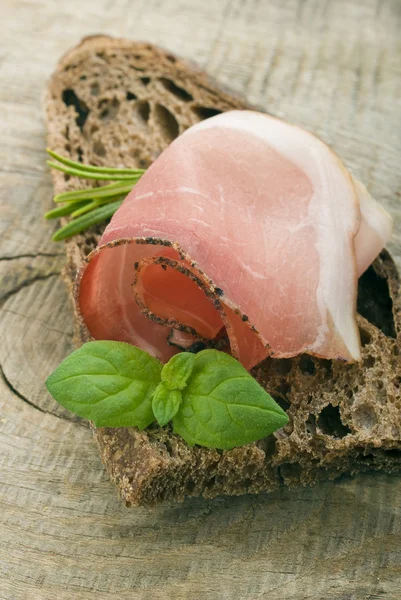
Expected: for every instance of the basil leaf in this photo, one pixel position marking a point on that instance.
(109, 383)
(178, 370)
(165, 404)
(223, 406)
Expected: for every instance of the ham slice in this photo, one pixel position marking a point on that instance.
(246, 227)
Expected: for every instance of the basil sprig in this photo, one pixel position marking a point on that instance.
(210, 398)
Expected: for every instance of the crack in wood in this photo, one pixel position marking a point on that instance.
(21, 396)
(14, 390)
(27, 283)
(34, 319)
(28, 255)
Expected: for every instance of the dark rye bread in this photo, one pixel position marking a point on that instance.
(117, 102)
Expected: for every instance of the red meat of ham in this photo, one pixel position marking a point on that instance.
(246, 231)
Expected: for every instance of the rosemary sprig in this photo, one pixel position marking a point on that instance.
(62, 211)
(90, 174)
(81, 167)
(89, 206)
(104, 191)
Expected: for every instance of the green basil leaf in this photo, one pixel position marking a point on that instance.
(178, 370)
(165, 404)
(109, 383)
(223, 406)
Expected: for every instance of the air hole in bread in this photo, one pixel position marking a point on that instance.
(377, 456)
(142, 163)
(211, 483)
(393, 453)
(283, 365)
(368, 458)
(99, 149)
(169, 447)
(284, 388)
(167, 122)
(131, 96)
(171, 58)
(310, 425)
(374, 301)
(190, 487)
(83, 77)
(90, 244)
(307, 365)
(329, 422)
(110, 112)
(95, 89)
(349, 393)
(145, 80)
(290, 470)
(205, 112)
(267, 445)
(369, 362)
(325, 364)
(142, 111)
(70, 98)
(176, 90)
(366, 338)
(281, 401)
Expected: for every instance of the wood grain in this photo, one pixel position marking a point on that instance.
(331, 66)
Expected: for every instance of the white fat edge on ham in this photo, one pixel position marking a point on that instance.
(375, 230)
(336, 292)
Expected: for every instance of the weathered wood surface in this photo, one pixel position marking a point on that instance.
(332, 66)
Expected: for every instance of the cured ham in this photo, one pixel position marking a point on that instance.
(247, 232)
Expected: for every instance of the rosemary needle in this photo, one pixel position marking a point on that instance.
(104, 175)
(62, 211)
(104, 191)
(81, 210)
(98, 215)
(82, 167)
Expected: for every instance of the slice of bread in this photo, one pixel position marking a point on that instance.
(119, 103)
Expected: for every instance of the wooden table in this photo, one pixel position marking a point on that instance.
(332, 66)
